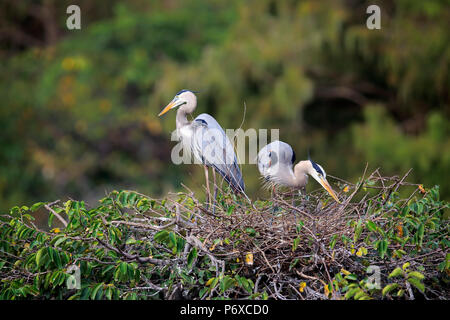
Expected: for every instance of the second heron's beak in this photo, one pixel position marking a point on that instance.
(327, 187)
(171, 105)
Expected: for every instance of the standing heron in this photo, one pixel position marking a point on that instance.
(207, 141)
(276, 165)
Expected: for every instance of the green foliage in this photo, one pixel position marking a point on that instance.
(404, 273)
(116, 258)
(80, 113)
(411, 228)
(133, 247)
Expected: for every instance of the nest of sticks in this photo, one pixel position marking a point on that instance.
(285, 241)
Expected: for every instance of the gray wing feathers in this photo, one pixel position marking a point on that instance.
(275, 159)
(212, 146)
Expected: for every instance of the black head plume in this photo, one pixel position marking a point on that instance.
(185, 90)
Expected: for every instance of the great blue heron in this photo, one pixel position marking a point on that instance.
(206, 140)
(276, 161)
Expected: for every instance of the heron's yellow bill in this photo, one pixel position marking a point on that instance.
(167, 108)
(327, 187)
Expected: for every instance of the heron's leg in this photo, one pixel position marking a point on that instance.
(274, 207)
(302, 193)
(215, 190)
(293, 201)
(208, 192)
(293, 196)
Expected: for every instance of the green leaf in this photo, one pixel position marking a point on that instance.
(400, 253)
(416, 274)
(95, 291)
(333, 242)
(203, 291)
(416, 283)
(395, 273)
(351, 277)
(60, 240)
(226, 283)
(39, 255)
(124, 270)
(51, 216)
(191, 257)
(371, 226)
(132, 198)
(435, 193)
(57, 258)
(251, 232)
(107, 269)
(130, 270)
(400, 293)
(161, 236)
(382, 247)
(420, 233)
(85, 293)
(350, 293)
(420, 208)
(36, 206)
(295, 243)
(173, 239)
(359, 294)
(389, 288)
(358, 230)
(108, 293)
(131, 241)
(299, 226)
(51, 253)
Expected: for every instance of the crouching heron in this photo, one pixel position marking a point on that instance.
(276, 165)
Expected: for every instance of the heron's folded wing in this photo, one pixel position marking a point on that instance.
(212, 146)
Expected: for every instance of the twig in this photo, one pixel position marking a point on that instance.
(48, 207)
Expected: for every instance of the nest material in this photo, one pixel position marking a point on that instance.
(291, 246)
(288, 238)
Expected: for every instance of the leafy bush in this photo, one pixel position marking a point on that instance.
(131, 246)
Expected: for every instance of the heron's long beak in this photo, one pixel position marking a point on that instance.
(327, 187)
(167, 108)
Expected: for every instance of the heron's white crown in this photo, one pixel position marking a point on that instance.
(186, 100)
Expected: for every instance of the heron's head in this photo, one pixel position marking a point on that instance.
(316, 171)
(185, 99)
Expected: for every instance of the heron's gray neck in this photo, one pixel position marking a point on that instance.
(301, 174)
(287, 177)
(181, 119)
(301, 179)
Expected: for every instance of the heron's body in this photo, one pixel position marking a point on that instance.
(206, 140)
(276, 165)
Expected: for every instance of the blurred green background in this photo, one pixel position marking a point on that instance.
(78, 114)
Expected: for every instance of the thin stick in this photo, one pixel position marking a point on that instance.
(48, 207)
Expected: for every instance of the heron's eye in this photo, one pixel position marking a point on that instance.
(273, 157)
